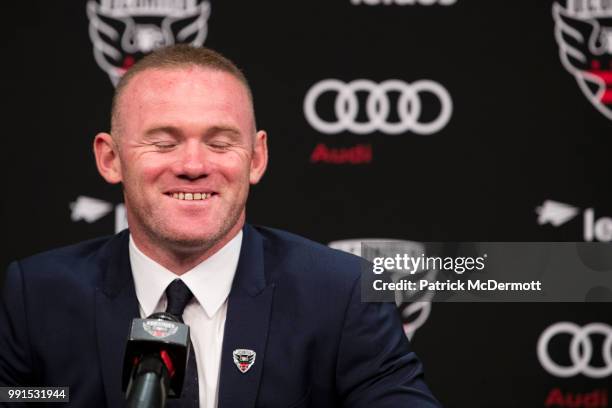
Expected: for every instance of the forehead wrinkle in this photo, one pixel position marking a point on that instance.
(142, 91)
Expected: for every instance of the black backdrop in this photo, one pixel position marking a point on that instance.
(522, 138)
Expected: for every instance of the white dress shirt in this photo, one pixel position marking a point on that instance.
(210, 282)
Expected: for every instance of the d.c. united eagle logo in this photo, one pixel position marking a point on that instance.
(122, 31)
(583, 30)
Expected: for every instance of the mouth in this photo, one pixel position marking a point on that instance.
(190, 196)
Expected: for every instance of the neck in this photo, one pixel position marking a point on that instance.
(177, 258)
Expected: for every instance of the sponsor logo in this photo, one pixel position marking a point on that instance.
(593, 399)
(122, 31)
(359, 154)
(414, 307)
(580, 351)
(378, 107)
(159, 328)
(404, 2)
(90, 210)
(583, 31)
(557, 214)
(244, 359)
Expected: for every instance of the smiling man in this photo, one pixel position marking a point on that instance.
(185, 148)
(276, 320)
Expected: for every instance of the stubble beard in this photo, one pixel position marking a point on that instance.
(160, 235)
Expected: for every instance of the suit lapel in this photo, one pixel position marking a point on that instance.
(246, 325)
(116, 306)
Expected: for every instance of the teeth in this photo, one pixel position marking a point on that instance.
(191, 196)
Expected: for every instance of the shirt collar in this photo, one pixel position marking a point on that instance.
(210, 281)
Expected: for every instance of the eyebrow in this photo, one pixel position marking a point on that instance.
(173, 131)
(223, 129)
(176, 132)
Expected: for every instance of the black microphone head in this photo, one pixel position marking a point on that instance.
(160, 334)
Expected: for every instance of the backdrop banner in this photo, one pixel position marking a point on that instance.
(415, 121)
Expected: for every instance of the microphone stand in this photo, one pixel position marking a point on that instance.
(149, 388)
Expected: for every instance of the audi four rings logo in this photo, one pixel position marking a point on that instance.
(580, 350)
(378, 106)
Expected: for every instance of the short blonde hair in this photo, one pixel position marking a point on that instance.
(176, 56)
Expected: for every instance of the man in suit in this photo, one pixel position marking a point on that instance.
(185, 148)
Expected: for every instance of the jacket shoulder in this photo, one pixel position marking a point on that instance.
(78, 261)
(308, 260)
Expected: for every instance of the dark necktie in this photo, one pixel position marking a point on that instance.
(178, 295)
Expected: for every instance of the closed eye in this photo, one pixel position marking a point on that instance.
(164, 146)
(220, 145)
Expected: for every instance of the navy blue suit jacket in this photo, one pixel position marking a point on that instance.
(65, 315)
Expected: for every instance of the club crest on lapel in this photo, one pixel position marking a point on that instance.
(244, 359)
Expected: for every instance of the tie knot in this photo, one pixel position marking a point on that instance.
(178, 295)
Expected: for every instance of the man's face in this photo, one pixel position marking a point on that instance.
(187, 152)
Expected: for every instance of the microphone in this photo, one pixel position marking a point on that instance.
(155, 360)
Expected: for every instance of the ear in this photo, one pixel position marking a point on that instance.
(259, 161)
(107, 158)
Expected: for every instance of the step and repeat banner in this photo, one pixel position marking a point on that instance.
(410, 120)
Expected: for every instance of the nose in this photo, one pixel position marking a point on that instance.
(192, 163)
